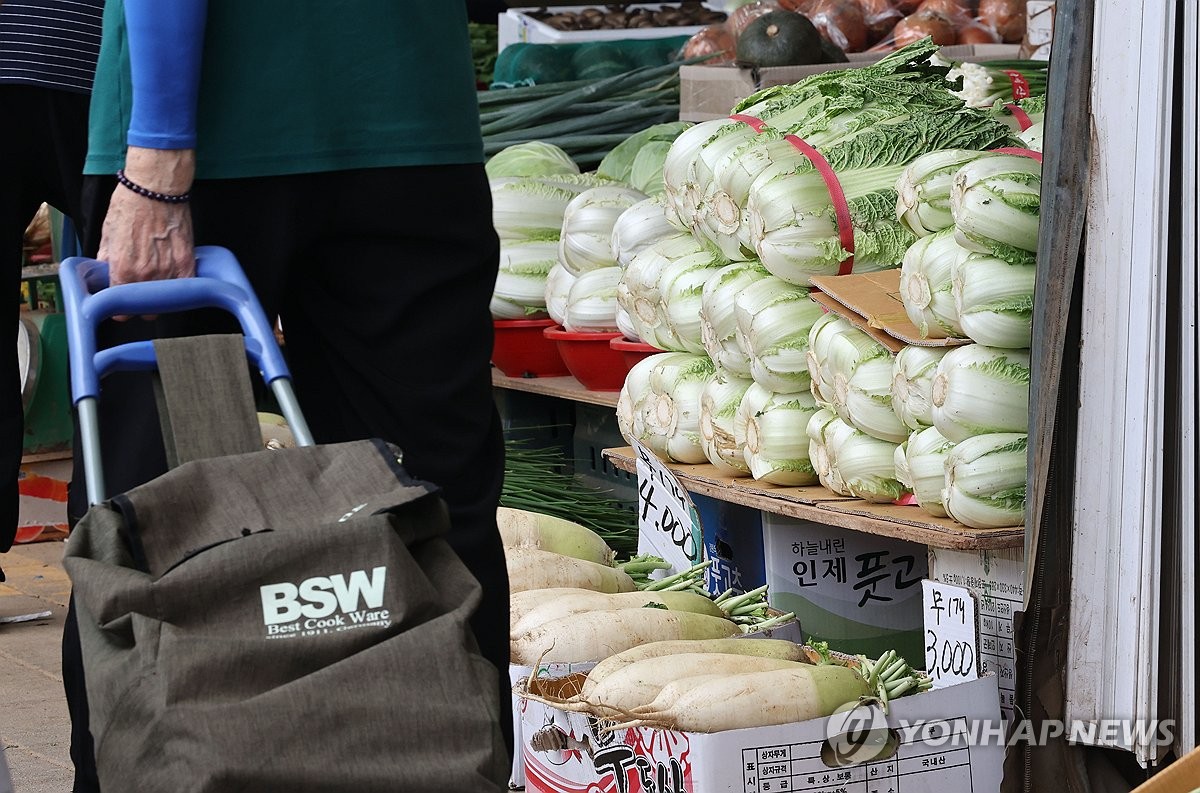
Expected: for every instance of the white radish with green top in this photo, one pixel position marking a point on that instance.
(639, 684)
(757, 699)
(765, 648)
(595, 635)
(521, 528)
(532, 608)
(530, 568)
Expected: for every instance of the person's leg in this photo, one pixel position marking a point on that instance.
(51, 135)
(385, 314)
(19, 200)
(47, 149)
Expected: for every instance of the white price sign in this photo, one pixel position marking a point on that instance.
(668, 526)
(951, 634)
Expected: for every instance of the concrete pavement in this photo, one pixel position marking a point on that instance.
(34, 728)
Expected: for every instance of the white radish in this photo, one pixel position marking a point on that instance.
(522, 529)
(534, 607)
(595, 635)
(529, 568)
(756, 699)
(763, 648)
(639, 683)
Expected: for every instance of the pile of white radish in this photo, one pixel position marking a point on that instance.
(543, 551)
(569, 604)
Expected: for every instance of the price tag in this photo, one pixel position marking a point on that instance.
(951, 634)
(668, 525)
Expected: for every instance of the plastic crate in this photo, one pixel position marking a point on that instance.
(596, 430)
(541, 421)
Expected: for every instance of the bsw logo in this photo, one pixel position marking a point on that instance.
(319, 597)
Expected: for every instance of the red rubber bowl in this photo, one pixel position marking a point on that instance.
(633, 351)
(595, 364)
(521, 349)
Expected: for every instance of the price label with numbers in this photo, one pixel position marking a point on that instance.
(951, 633)
(668, 525)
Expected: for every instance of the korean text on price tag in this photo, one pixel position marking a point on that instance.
(668, 525)
(951, 634)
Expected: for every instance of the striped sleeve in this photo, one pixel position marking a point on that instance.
(50, 43)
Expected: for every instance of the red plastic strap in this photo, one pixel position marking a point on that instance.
(841, 207)
(1020, 86)
(756, 124)
(1020, 115)
(1030, 153)
(906, 500)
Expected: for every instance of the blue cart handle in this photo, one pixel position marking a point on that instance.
(219, 283)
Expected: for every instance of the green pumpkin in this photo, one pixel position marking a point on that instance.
(780, 38)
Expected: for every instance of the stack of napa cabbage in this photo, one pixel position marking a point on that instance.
(970, 276)
(763, 384)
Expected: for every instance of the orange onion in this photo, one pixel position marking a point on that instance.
(841, 22)
(977, 33)
(938, 27)
(1006, 17)
(713, 40)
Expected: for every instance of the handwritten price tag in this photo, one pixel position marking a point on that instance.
(668, 525)
(951, 634)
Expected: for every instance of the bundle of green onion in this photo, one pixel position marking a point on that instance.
(536, 479)
(585, 118)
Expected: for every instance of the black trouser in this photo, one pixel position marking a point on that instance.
(382, 279)
(43, 138)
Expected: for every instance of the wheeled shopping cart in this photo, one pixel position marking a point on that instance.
(264, 620)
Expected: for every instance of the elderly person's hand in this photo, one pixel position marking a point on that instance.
(145, 239)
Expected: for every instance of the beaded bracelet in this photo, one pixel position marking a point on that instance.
(124, 180)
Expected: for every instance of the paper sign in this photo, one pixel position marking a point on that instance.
(951, 634)
(668, 526)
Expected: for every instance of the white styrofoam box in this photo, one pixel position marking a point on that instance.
(515, 25)
(859, 592)
(942, 741)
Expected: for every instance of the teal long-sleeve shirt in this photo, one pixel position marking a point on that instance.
(304, 86)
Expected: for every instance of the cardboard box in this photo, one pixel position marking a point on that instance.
(997, 578)
(931, 751)
(871, 301)
(859, 592)
(1182, 776)
(1039, 30)
(707, 92)
(517, 675)
(733, 540)
(515, 25)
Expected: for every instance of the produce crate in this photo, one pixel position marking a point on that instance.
(596, 430)
(515, 25)
(707, 92)
(542, 421)
(928, 746)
